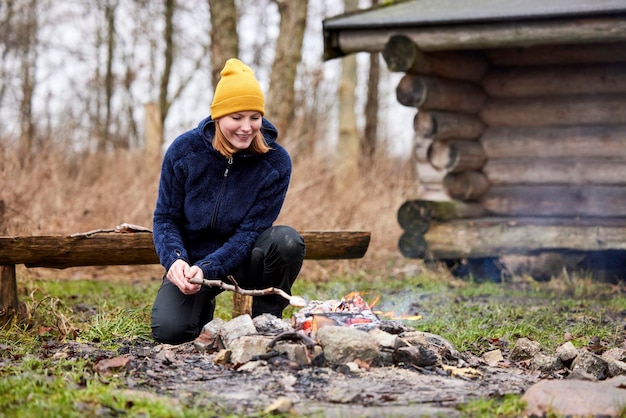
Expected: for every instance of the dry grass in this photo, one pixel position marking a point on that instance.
(64, 193)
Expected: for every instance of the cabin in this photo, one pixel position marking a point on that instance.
(520, 129)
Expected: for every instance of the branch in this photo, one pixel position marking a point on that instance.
(297, 301)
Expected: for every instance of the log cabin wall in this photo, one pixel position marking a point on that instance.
(519, 150)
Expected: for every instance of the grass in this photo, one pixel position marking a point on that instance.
(108, 313)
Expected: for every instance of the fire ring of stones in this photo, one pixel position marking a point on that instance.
(342, 359)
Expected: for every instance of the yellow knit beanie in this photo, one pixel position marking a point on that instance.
(238, 90)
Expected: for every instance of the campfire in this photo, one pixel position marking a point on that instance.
(351, 311)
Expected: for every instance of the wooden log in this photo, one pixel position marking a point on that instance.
(481, 36)
(412, 245)
(8, 294)
(493, 237)
(104, 249)
(555, 80)
(456, 155)
(402, 55)
(554, 200)
(604, 52)
(599, 141)
(438, 125)
(466, 186)
(433, 93)
(560, 110)
(530, 170)
(413, 214)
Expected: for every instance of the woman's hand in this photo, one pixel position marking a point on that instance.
(179, 274)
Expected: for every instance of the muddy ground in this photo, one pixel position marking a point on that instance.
(184, 375)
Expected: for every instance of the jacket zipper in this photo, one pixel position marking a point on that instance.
(218, 201)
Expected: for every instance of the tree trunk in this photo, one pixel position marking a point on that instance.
(8, 294)
(370, 134)
(224, 38)
(280, 103)
(348, 141)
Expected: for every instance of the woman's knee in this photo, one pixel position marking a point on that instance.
(288, 241)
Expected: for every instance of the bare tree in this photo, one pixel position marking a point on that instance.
(281, 95)
(224, 39)
(368, 144)
(348, 142)
(26, 49)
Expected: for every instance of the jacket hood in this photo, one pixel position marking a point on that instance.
(269, 131)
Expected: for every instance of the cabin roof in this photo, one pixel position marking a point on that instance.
(457, 16)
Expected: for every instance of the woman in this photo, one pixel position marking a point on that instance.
(222, 187)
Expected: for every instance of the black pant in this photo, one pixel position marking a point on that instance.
(275, 261)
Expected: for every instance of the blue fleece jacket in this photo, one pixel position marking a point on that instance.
(211, 209)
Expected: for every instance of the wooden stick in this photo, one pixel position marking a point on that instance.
(293, 300)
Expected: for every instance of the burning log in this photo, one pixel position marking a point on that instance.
(427, 92)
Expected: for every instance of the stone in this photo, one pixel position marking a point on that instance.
(268, 324)
(546, 363)
(236, 328)
(574, 398)
(294, 352)
(384, 339)
(247, 347)
(343, 344)
(567, 352)
(616, 368)
(493, 357)
(524, 349)
(590, 363)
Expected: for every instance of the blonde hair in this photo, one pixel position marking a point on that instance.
(221, 144)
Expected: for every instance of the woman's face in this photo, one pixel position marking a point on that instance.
(240, 128)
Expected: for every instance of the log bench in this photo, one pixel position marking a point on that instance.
(112, 247)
